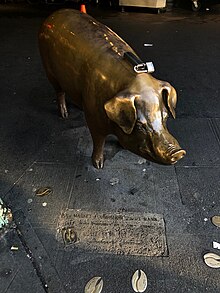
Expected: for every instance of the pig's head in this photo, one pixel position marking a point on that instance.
(140, 113)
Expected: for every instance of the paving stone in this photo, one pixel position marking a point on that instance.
(116, 272)
(168, 199)
(196, 136)
(216, 128)
(60, 178)
(75, 143)
(41, 260)
(200, 189)
(192, 274)
(24, 282)
(88, 189)
(49, 242)
(16, 271)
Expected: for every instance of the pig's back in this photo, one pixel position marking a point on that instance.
(79, 51)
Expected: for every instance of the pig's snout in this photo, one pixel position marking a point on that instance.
(174, 153)
(162, 152)
(169, 157)
(176, 156)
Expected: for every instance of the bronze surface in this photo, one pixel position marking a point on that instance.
(84, 59)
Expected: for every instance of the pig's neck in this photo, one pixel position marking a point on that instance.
(141, 83)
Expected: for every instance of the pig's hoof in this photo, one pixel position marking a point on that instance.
(64, 114)
(98, 163)
(63, 111)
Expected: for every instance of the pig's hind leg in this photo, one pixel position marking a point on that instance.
(60, 96)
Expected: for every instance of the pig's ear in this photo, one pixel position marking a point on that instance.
(122, 111)
(170, 98)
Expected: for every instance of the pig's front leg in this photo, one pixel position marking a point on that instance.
(98, 138)
(98, 148)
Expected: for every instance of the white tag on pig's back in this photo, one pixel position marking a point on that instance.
(150, 67)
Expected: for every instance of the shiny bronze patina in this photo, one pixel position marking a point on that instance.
(84, 59)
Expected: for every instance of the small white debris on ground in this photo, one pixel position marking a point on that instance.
(141, 161)
(148, 45)
(14, 248)
(216, 245)
(114, 181)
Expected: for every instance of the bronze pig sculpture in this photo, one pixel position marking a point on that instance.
(85, 59)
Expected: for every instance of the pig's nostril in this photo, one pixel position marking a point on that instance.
(177, 156)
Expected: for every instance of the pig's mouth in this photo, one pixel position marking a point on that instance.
(147, 154)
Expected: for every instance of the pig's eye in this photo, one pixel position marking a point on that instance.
(146, 129)
(141, 126)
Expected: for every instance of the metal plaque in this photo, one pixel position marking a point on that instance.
(140, 234)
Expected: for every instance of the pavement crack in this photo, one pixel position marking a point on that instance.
(214, 129)
(6, 290)
(18, 179)
(178, 185)
(32, 259)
